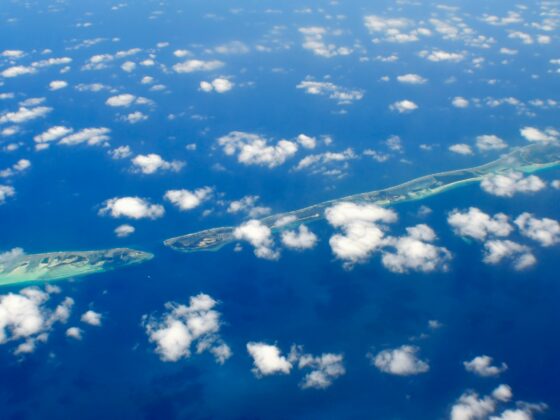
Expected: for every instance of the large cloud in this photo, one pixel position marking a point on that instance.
(182, 326)
(132, 207)
(474, 223)
(187, 200)
(510, 183)
(26, 318)
(497, 250)
(260, 237)
(252, 149)
(545, 231)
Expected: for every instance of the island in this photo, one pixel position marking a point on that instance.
(62, 265)
(528, 159)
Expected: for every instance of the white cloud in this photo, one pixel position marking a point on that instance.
(307, 141)
(325, 368)
(402, 361)
(318, 161)
(248, 205)
(125, 230)
(439, 55)
(498, 250)
(124, 100)
(460, 102)
(482, 366)
(233, 47)
(403, 106)
(152, 163)
(476, 224)
(461, 149)
(16, 71)
(132, 207)
(534, 134)
(92, 318)
(268, 359)
(25, 316)
(128, 66)
(121, 152)
(135, 117)
(5, 192)
(545, 231)
(74, 332)
(187, 200)
(24, 114)
(92, 136)
(510, 183)
(260, 237)
(394, 29)
(314, 41)
(252, 149)
(490, 142)
(343, 96)
(301, 239)
(470, 407)
(53, 133)
(361, 236)
(412, 79)
(502, 393)
(190, 66)
(220, 85)
(415, 252)
(183, 326)
(57, 84)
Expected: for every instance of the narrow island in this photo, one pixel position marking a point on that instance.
(63, 265)
(528, 159)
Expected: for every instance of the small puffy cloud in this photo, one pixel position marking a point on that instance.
(545, 231)
(20, 166)
(439, 55)
(490, 142)
(132, 207)
(307, 141)
(183, 326)
(92, 318)
(497, 250)
(460, 102)
(24, 114)
(152, 163)
(324, 368)
(342, 95)
(121, 152)
(252, 149)
(128, 66)
(502, 393)
(5, 192)
(123, 231)
(403, 106)
(16, 71)
(476, 224)
(220, 85)
(187, 200)
(397, 30)
(314, 41)
(233, 47)
(461, 149)
(260, 237)
(248, 205)
(510, 183)
(57, 84)
(301, 239)
(268, 359)
(190, 66)
(322, 162)
(415, 252)
(25, 317)
(91, 136)
(402, 361)
(411, 79)
(482, 366)
(135, 117)
(75, 333)
(123, 100)
(52, 134)
(536, 135)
